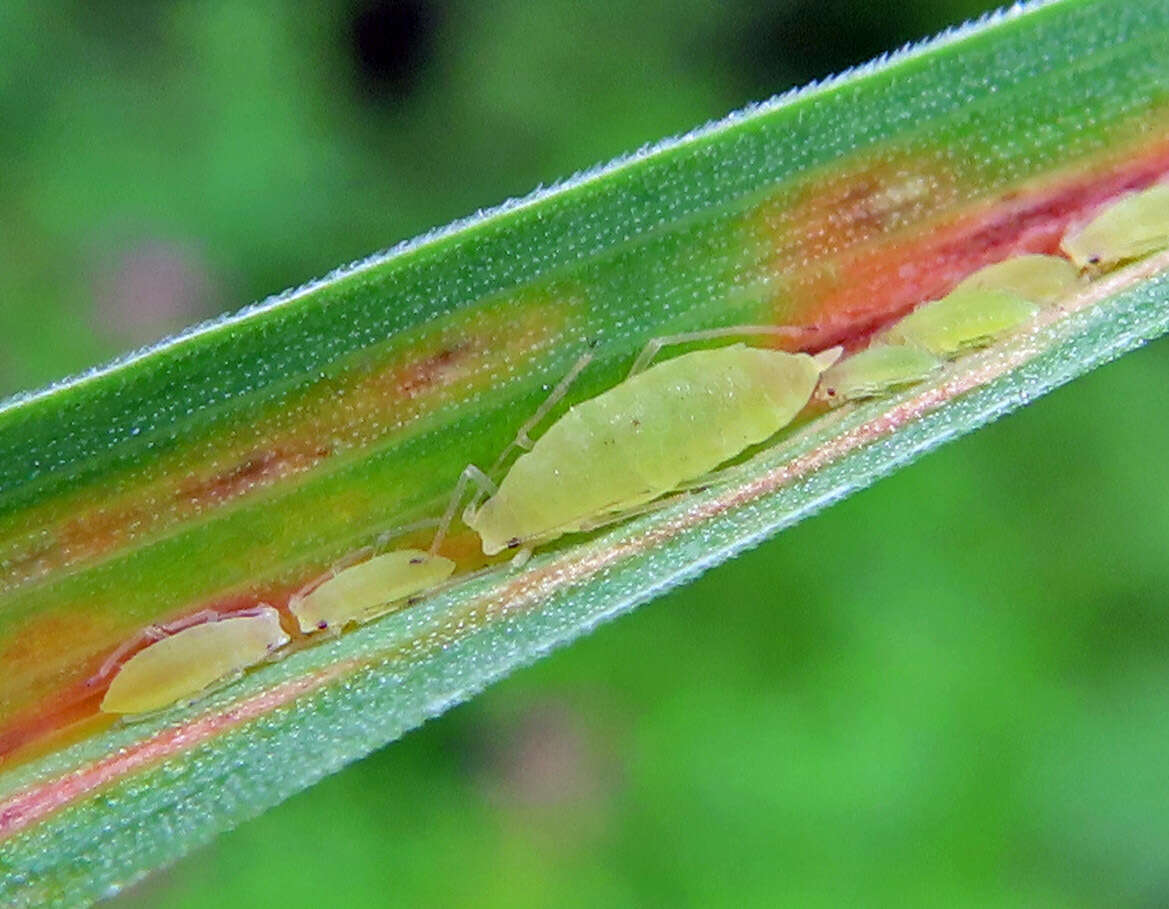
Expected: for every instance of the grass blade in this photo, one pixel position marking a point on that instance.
(231, 465)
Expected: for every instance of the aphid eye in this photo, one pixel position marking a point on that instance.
(417, 560)
(1093, 260)
(322, 625)
(831, 392)
(513, 543)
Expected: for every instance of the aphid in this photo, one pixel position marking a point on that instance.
(960, 320)
(658, 430)
(1040, 279)
(875, 371)
(189, 661)
(1133, 227)
(371, 588)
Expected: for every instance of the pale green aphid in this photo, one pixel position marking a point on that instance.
(362, 592)
(1133, 227)
(1040, 279)
(961, 320)
(649, 435)
(185, 663)
(875, 371)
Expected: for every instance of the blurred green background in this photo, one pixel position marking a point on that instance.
(949, 689)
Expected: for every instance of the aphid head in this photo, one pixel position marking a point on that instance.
(825, 393)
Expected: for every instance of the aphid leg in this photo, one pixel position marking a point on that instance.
(652, 349)
(350, 559)
(624, 514)
(679, 492)
(484, 487)
(203, 693)
(147, 635)
(386, 537)
(346, 561)
(522, 440)
(470, 475)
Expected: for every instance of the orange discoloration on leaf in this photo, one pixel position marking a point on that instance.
(364, 406)
(70, 714)
(849, 251)
(43, 637)
(418, 377)
(35, 803)
(838, 211)
(844, 273)
(258, 469)
(78, 646)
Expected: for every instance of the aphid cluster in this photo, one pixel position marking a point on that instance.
(668, 427)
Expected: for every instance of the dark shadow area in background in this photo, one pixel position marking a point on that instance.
(391, 41)
(797, 41)
(810, 39)
(774, 45)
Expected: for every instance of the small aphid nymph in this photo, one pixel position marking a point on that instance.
(1131, 228)
(877, 370)
(960, 321)
(371, 588)
(658, 430)
(1040, 279)
(186, 663)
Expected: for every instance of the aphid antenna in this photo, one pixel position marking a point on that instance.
(150, 635)
(348, 560)
(147, 635)
(655, 346)
(522, 439)
(386, 537)
(252, 612)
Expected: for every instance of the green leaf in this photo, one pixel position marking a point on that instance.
(235, 463)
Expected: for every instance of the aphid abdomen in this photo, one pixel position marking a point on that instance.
(572, 471)
(185, 663)
(875, 371)
(359, 591)
(662, 427)
(1040, 279)
(1133, 227)
(961, 320)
